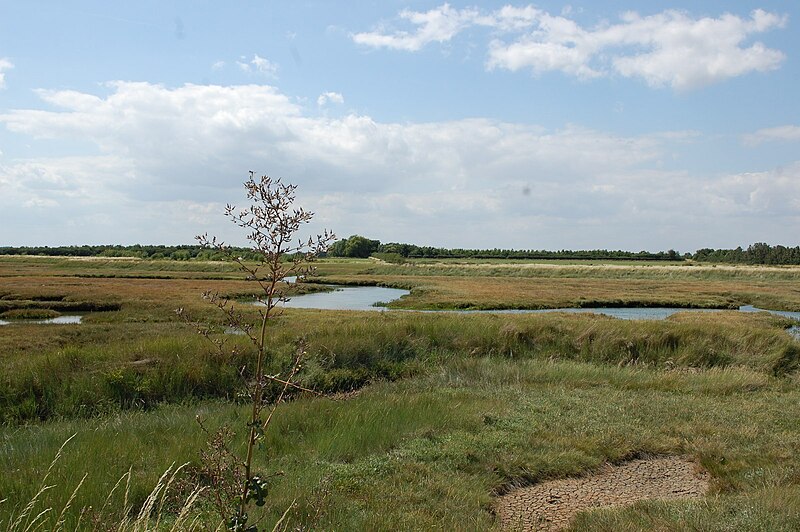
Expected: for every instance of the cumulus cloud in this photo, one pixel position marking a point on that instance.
(771, 193)
(787, 133)
(670, 48)
(168, 158)
(685, 53)
(258, 64)
(333, 97)
(5, 64)
(437, 25)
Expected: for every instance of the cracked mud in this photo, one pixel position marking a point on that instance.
(552, 505)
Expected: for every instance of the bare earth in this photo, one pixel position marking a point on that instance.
(552, 505)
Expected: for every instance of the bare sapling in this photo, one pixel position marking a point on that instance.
(273, 223)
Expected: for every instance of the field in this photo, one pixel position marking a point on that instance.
(425, 417)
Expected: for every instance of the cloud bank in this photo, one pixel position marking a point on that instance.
(164, 160)
(670, 48)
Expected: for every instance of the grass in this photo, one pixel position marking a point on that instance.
(452, 408)
(458, 285)
(29, 314)
(444, 284)
(168, 362)
(429, 452)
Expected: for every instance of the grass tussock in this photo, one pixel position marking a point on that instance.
(429, 452)
(29, 314)
(94, 376)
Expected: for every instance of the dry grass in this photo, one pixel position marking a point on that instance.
(443, 292)
(454, 284)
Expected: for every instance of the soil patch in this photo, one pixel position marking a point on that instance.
(552, 505)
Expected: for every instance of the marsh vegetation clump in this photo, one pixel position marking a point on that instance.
(30, 314)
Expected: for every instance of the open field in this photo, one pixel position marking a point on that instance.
(452, 409)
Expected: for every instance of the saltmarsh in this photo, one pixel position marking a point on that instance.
(451, 409)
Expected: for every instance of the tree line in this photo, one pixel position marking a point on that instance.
(362, 247)
(180, 252)
(759, 253)
(359, 246)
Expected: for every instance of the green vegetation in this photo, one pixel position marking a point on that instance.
(759, 253)
(358, 246)
(100, 373)
(183, 252)
(428, 452)
(29, 314)
(492, 284)
(426, 415)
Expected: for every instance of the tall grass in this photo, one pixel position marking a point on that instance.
(429, 452)
(349, 351)
(153, 513)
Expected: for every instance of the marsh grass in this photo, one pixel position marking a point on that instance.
(435, 284)
(29, 314)
(770, 509)
(429, 452)
(102, 371)
(495, 401)
(530, 285)
(152, 514)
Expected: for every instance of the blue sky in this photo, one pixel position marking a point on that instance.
(547, 125)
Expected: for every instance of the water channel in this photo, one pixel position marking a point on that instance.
(375, 298)
(58, 320)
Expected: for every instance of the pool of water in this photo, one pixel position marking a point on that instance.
(784, 313)
(58, 321)
(622, 313)
(347, 298)
(366, 297)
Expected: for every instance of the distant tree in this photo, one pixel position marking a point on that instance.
(356, 246)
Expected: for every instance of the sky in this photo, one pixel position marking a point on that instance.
(611, 124)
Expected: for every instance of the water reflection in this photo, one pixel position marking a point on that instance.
(348, 298)
(622, 313)
(60, 320)
(366, 297)
(784, 313)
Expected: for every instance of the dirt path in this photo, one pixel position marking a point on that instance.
(551, 505)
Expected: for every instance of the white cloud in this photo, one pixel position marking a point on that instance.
(169, 157)
(193, 143)
(670, 48)
(5, 64)
(771, 193)
(437, 25)
(259, 65)
(685, 53)
(787, 133)
(218, 65)
(333, 97)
